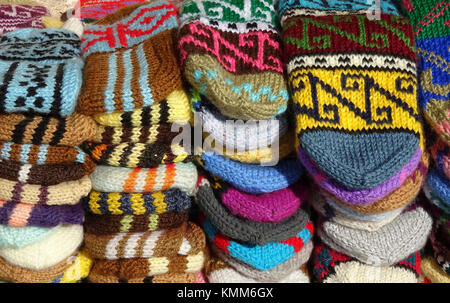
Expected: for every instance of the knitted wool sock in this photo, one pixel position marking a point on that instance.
(440, 185)
(443, 263)
(118, 203)
(94, 277)
(145, 180)
(51, 22)
(435, 199)
(239, 229)
(175, 108)
(440, 152)
(243, 79)
(253, 178)
(388, 245)
(66, 193)
(359, 197)
(274, 274)
(333, 267)
(40, 71)
(51, 250)
(432, 33)
(12, 236)
(71, 131)
(21, 214)
(433, 272)
(77, 271)
(111, 224)
(45, 175)
(130, 59)
(13, 17)
(260, 257)
(133, 155)
(92, 10)
(366, 128)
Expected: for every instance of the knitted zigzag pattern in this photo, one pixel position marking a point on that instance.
(13, 17)
(91, 10)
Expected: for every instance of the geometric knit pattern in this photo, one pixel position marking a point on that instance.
(91, 10)
(157, 133)
(13, 17)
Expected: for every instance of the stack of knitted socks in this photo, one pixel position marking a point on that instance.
(431, 23)
(43, 172)
(16, 16)
(137, 228)
(252, 212)
(352, 76)
(93, 10)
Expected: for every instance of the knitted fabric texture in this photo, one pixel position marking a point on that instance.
(66, 193)
(260, 257)
(41, 71)
(253, 178)
(136, 154)
(359, 127)
(51, 250)
(175, 108)
(111, 224)
(12, 236)
(435, 199)
(137, 180)
(70, 131)
(358, 197)
(130, 59)
(45, 175)
(119, 203)
(440, 185)
(333, 267)
(440, 152)
(239, 229)
(22, 214)
(92, 10)
(77, 271)
(433, 272)
(13, 17)
(243, 79)
(393, 242)
(95, 277)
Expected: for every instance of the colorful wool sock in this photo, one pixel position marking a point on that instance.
(432, 35)
(388, 245)
(253, 178)
(433, 272)
(130, 59)
(234, 58)
(77, 271)
(359, 197)
(12, 236)
(119, 203)
(333, 267)
(272, 207)
(435, 199)
(92, 10)
(145, 180)
(94, 277)
(71, 131)
(66, 193)
(440, 152)
(241, 229)
(133, 155)
(261, 257)
(45, 175)
(111, 224)
(56, 247)
(440, 185)
(175, 108)
(40, 71)
(367, 128)
(274, 274)
(21, 214)
(13, 17)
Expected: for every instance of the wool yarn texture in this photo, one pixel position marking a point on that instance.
(391, 243)
(77, 271)
(232, 60)
(253, 178)
(71, 131)
(66, 193)
(433, 272)
(16, 16)
(440, 153)
(120, 203)
(23, 214)
(12, 236)
(359, 127)
(40, 71)
(260, 257)
(45, 175)
(123, 55)
(51, 250)
(175, 108)
(358, 197)
(333, 267)
(182, 176)
(112, 224)
(435, 199)
(94, 277)
(240, 229)
(440, 185)
(92, 10)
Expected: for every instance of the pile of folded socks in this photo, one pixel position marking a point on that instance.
(352, 77)
(430, 20)
(252, 205)
(43, 172)
(137, 226)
